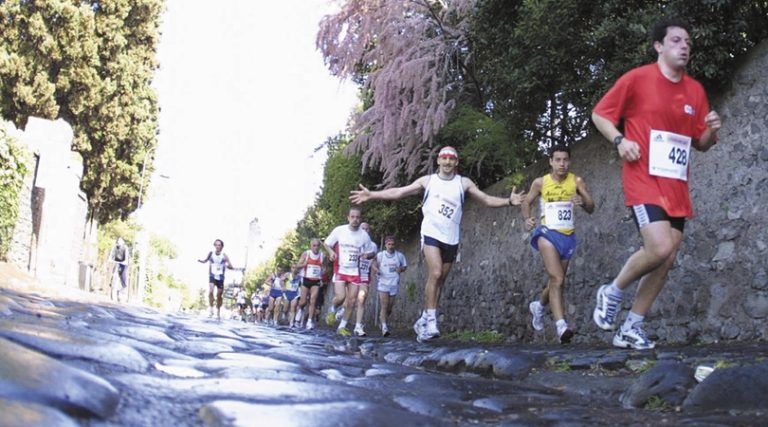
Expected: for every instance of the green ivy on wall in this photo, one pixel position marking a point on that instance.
(13, 169)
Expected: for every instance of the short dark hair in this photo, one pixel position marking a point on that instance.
(220, 241)
(559, 147)
(356, 208)
(659, 30)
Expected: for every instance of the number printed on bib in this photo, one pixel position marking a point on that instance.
(669, 155)
(558, 215)
(313, 271)
(446, 211)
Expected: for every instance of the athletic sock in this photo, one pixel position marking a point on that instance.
(431, 313)
(342, 324)
(632, 319)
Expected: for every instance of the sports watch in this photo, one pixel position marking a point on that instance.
(617, 140)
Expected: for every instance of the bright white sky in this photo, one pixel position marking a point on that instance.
(245, 98)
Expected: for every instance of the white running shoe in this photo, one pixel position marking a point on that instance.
(564, 333)
(537, 310)
(340, 314)
(384, 331)
(420, 326)
(633, 338)
(606, 309)
(429, 332)
(359, 330)
(210, 311)
(310, 325)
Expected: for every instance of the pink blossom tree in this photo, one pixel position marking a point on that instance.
(411, 57)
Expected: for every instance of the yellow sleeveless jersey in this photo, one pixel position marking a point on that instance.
(555, 201)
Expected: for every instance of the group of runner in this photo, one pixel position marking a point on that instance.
(664, 113)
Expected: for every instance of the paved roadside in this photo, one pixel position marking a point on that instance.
(70, 361)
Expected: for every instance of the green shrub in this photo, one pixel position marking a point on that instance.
(13, 169)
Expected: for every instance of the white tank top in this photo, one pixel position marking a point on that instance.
(442, 209)
(217, 265)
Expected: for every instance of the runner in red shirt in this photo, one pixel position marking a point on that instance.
(665, 113)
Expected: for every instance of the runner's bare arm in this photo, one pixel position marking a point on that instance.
(525, 207)
(331, 252)
(709, 137)
(363, 194)
(582, 197)
(488, 200)
(628, 150)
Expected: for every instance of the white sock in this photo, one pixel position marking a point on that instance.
(632, 319)
(560, 323)
(342, 324)
(431, 313)
(358, 325)
(299, 315)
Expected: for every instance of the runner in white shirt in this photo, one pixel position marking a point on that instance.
(217, 261)
(442, 208)
(345, 245)
(364, 284)
(387, 266)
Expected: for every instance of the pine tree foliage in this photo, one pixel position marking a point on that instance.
(410, 57)
(90, 63)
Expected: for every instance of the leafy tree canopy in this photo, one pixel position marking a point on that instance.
(429, 69)
(90, 63)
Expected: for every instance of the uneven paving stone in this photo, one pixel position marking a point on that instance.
(202, 347)
(507, 364)
(731, 388)
(143, 333)
(21, 414)
(226, 413)
(235, 388)
(668, 381)
(204, 371)
(582, 384)
(8, 305)
(179, 371)
(59, 343)
(28, 375)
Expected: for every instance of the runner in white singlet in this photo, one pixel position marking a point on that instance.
(442, 208)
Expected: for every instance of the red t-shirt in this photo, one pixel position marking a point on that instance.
(647, 101)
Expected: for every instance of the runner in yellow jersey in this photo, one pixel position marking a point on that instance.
(560, 191)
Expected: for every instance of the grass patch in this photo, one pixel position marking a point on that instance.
(485, 337)
(558, 365)
(656, 402)
(643, 367)
(722, 364)
(410, 291)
